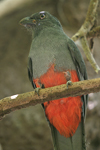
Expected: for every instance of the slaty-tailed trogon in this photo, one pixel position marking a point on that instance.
(52, 56)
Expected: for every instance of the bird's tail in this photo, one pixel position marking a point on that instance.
(76, 142)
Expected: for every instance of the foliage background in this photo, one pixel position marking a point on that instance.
(27, 129)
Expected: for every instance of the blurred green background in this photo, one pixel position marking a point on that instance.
(27, 129)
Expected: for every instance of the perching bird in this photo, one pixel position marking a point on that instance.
(53, 60)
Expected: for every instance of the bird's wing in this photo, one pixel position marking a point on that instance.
(80, 68)
(30, 72)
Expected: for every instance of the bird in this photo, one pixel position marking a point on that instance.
(54, 59)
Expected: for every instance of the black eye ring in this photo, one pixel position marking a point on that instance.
(42, 16)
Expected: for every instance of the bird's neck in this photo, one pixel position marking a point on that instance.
(46, 30)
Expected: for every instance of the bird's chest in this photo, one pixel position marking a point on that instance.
(50, 51)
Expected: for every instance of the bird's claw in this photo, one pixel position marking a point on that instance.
(69, 83)
(37, 90)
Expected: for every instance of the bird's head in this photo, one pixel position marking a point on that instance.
(39, 21)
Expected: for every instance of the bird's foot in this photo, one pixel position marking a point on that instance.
(37, 90)
(69, 83)
(68, 78)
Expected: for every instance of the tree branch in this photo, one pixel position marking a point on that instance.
(88, 53)
(85, 31)
(95, 32)
(24, 100)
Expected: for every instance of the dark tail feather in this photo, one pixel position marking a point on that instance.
(76, 142)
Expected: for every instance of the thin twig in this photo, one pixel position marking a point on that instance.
(95, 32)
(89, 54)
(85, 31)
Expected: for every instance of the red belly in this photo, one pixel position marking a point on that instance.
(64, 113)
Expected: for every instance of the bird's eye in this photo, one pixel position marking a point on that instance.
(42, 16)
